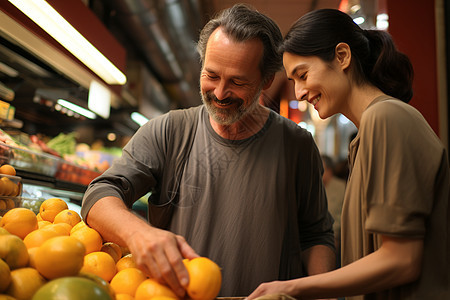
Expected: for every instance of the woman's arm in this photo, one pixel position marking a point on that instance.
(157, 252)
(397, 262)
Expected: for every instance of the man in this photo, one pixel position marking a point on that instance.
(242, 185)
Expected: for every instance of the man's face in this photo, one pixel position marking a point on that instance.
(230, 80)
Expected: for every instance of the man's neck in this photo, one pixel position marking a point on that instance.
(244, 128)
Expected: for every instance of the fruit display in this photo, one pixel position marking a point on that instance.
(54, 254)
(60, 157)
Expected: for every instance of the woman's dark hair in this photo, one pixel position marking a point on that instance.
(242, 23)
(375, 59)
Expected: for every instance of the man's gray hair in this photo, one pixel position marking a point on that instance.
(242, 23)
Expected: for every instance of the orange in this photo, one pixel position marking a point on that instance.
(91, 239)
(9, 203)
(13, 251)
(205, 278)
(9, 187)
(32, 257)
(68, 216)
(122, 297)
(60, 256)
(39, 218)
(3, 231)
(8, 170)
(2, 205)
(24, 283)
(112, 249)
(43, 224)
(38, 237)
(80, 224)
(162, 298)
(51, 207)
(60, 228)
(127, 281)
(150, 288)
(6, 297)
(99, 263)
(5, 275)
(19, 221)
(126, 262)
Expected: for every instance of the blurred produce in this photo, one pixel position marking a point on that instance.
(63, 143)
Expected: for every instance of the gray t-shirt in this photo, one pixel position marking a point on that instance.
(250, 205)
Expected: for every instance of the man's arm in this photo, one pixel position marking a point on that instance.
(158, 253)
(319, 259)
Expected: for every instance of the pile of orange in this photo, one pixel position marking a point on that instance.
(8, 186)
(55, 252)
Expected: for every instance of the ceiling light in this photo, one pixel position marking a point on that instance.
(78, 109)
(138, 118)
(55, 25)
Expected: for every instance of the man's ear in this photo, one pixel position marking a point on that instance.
(269, 82)
(343, 54)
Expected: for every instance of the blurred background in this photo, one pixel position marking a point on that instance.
(151, 44)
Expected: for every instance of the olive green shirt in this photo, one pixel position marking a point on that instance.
(399, 186)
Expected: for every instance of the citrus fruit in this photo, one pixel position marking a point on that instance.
(205, 278)
(59, 228)
(91, 239)
(150, 288)
(51, 207)
(71, 288)
(8, 170)
(19, 221)
(3, 231)
(13, 251)
(2, 205)
(9, 203)
(39, 218)
(6, 297)
(79, 225)
(126, 262)
(162, 298)
(100, 281)
(32, 257)
(122, 297)
(43, 224)
(38, 237)
(9, 187)
(24, 283)
(127, 281)
(60, 256)
(68, 216)
(5, 275)
(112, 249)
(99, 263)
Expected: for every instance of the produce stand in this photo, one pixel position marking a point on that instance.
(46, 170)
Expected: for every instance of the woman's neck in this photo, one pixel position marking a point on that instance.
(360, 99)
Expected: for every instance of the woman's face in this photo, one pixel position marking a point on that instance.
(324, 85)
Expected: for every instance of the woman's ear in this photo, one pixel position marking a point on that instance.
(343, 55)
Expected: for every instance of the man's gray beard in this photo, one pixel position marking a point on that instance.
(227, 117)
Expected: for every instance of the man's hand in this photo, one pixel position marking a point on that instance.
(160, 254)
(157, 252)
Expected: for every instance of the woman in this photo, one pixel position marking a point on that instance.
(395, 218)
